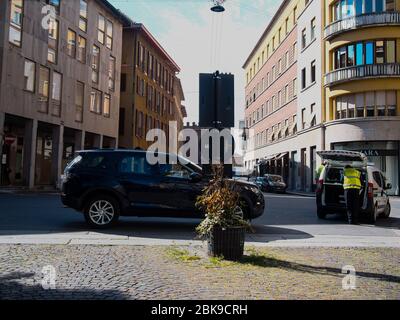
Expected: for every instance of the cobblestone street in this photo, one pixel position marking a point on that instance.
(136, 272)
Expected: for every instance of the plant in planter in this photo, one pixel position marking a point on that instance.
(223, 226)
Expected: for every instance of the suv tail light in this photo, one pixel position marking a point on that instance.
(320, 185)
(370, 190)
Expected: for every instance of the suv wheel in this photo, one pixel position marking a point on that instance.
(101, 211)
(246, 209)
(373, 214)
(388, 209)
(321, 213)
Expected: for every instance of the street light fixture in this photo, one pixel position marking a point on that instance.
(217, 7)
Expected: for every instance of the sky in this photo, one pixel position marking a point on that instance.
(201, 41)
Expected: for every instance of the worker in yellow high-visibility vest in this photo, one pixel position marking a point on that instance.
(352, 187)
(319, 170)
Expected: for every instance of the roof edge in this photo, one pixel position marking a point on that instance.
(141, 26)
(277, 14)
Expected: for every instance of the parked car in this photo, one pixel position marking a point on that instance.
(106, 184)
(374, 200)
(271, 183)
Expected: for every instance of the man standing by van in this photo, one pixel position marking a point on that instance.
(352, 187)
(319, 170)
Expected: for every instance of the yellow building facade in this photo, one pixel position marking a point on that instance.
(361, 77)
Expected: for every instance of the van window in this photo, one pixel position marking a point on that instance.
(334, 175)
(378, 178)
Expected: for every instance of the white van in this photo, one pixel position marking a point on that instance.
(374, 201)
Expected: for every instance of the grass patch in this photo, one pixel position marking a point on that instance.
(217, 262)
(252, 258)
(182, 255)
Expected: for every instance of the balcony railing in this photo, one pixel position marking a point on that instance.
(364, 20)
(365, 71)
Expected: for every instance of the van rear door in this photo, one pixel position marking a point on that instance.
(342, 157)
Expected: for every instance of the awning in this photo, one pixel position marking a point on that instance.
(281, 155)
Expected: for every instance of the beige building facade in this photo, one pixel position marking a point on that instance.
(59, 85)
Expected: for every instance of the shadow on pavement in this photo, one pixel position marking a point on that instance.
(269, 262)
(13, 288)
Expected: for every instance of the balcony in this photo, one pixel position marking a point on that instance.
(362, 72)
(361, 21)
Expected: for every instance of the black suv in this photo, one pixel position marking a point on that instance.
(106, 184)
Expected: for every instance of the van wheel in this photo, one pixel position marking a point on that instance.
(373, 214)
(101, 211)
(386, 213)
(321, 213)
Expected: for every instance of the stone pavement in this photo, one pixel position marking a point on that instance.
(159, 272)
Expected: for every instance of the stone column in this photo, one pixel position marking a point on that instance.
(2, 119)
(57, 154)
(79, 140)
(30, 140)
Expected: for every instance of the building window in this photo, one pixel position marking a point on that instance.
(71, 43)
(57, 87)
(109, 35)
(313, 72)
(106, 105)
(29, 76)
(286, 26)
(16, 17)
(81, 56)
(365, 53)
(390, 51)
(111, 73)
(303, 38)
(343, 9)
(101, 29)
(139, 123)
(55, 4)
(121, 127)
(44, 82)
(83, 15)
(52, 42)
(56, 94)
(123, 82)
(95, 64)
(360, 105)
(79, 101)
(313, 28)
(368, 104)
(379, 52)
(303, 118)
(303, 78)
(95, 101)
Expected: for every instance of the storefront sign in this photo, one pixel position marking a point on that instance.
(379, 153)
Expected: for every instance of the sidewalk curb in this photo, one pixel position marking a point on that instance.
(29, 191)
(302, 194)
